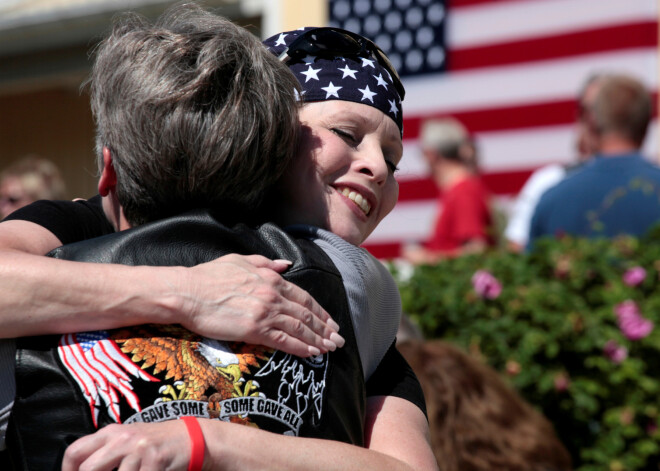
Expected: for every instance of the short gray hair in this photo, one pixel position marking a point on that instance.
(445, 136)
(195, 111)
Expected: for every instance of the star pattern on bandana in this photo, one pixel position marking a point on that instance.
(280, 40)
(348, 72)
(331, 90)
(311, 73)
(357, 78)
(309, 59)
(393, 108)
(381, 80)
(367, 62)
(367, 94)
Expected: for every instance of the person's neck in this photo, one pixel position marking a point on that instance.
(611, 146)
(114, 212)
(453, 174)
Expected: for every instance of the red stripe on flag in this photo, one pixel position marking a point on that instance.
(384, 251)
(612, 38)
(498, 183)
(553, 113)
(506, 183)
(496, 119)
(418, 189)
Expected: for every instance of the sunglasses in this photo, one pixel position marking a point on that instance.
(335, 41)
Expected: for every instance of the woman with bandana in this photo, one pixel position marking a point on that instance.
(351, 145)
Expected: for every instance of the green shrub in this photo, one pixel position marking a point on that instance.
(555, 332)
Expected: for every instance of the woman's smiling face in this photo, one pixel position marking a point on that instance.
(342, 179)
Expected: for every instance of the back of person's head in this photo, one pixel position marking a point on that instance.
(195, 111)
(622, 106)
(450, 140)
(27, 180)
(477, 422)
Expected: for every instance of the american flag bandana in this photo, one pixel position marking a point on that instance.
(350, 78)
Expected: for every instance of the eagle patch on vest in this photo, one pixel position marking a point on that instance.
(153, 373)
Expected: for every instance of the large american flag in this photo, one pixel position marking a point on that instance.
(509, 70)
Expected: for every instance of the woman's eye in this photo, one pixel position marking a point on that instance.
(391, 166)
(344, 134)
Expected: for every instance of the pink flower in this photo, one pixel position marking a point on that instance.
(561, 382)
(632, 324)
(615, 352)
(634, 276)
(628, 308)
(486, 285)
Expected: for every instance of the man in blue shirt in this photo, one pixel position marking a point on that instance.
(618, 191)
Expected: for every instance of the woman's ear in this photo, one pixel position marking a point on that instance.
(108, 180)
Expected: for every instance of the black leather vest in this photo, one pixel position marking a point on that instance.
(70, 385)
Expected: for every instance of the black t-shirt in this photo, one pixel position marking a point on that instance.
(70, 221)
(74, 221)
(395, 377)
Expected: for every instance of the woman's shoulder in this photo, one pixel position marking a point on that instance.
(354, 256)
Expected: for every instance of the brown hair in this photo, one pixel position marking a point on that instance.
(622, 105)
(195, 111)
(477, 422)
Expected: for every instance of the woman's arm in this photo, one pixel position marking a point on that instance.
(400, 429)
(398, 440)
(232, 298)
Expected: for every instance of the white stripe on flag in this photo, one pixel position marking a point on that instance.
(511, 21)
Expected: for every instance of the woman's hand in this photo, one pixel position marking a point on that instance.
(131, 447)
(396, 433)
(244, 298)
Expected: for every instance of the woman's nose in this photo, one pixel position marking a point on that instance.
(372, 163)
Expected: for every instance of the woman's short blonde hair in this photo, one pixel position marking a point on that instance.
(39, 177)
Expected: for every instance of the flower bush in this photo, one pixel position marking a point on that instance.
(573, 325)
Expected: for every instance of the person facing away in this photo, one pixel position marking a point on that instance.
(618, 190)
(544, 178)
(464, 223)
(29, 179)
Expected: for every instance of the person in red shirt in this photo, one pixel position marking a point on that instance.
(464, 224)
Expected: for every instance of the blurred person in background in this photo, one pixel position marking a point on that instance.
(544, 178)
(30, 179)
(478, 422)
(617, 191)
(464, 224)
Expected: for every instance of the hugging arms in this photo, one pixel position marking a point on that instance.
(361, 154)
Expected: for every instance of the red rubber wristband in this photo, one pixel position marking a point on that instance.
(196, 443)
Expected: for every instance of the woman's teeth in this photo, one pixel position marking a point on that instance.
(358, 199)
